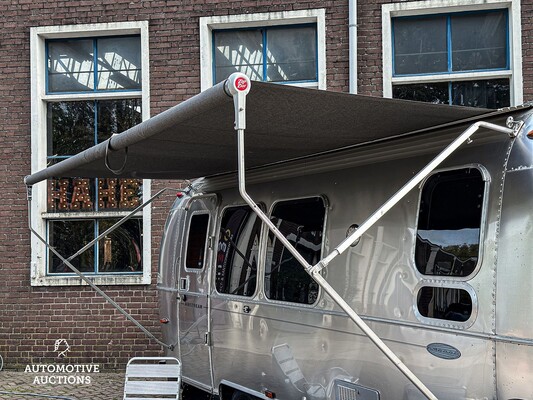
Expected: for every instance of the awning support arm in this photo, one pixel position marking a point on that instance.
(411, 184)
(239, 94)
(84, 248)
(240, 108)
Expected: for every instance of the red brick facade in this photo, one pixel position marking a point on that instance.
(32, 318)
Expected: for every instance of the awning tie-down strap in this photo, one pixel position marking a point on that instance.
(87, 246)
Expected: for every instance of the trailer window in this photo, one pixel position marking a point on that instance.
(445, 303)
(237, 252)
(196, 243)
(449, 222)
(302, 223)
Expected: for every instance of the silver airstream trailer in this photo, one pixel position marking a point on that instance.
(352, 248)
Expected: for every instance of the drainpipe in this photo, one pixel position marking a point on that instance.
(352, 40)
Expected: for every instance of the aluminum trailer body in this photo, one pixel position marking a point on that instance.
(462, 323)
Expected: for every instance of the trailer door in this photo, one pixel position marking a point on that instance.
(193, 291)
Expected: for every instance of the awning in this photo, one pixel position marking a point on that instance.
(197, 138)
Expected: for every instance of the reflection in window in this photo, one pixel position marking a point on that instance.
(71, 64)
(485, 93)
(196, 241)
(302, 223)
(449, 222)
(444, 303)
(67, 237)
(79, 73)
(452, 44)
(237, 252)
(273, 54)
(119, 251)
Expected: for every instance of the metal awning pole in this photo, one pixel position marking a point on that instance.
(82, 276)
(411, 184)
(240, 126)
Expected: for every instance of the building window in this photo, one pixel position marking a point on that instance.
(287, 47)
(238, 251)
(90, 82)
(451, 54)
(277, 54)
(302, 223)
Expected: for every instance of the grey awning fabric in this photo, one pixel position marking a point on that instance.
(196, 138)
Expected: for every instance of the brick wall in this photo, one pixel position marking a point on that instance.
(32, 318)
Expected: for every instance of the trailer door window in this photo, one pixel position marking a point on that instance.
(302, 223)
(449, 222)
(237, 253)
(196, 243)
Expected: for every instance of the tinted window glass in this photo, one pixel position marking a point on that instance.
(431, 92)
(479, 41)
(444, 303)
(237, 253)
(67, 237)
(447, 241)
(492, 93)
(420, 45)
(291, 54)
(267, 54)
(196, 242)
(302, 223)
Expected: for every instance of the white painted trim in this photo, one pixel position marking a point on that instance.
(389, 11)
(39, 99)
(352, 39)
(207, 24)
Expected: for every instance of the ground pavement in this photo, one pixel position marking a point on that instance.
(100, 386)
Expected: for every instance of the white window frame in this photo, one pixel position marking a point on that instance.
(514, 74)
(207, 24)
(39, 100)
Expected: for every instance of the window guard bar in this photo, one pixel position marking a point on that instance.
(87, 246)
(238, 85)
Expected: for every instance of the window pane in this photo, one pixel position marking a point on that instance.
(479, 41)
(67, 237)
(70, 66)
(120, 250)
(71, 194)
(196, 242)
(302, 223)
(291, 54)
(238, 251)
(119, 63)
(420, 45)
(116, 116)
(444, 303)
(436, 93)
(494, 93)
(449, 221)
(238, 51)
(70, 127)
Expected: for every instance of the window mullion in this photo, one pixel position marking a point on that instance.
(449, 42)
(95, 64)
(265, 54)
